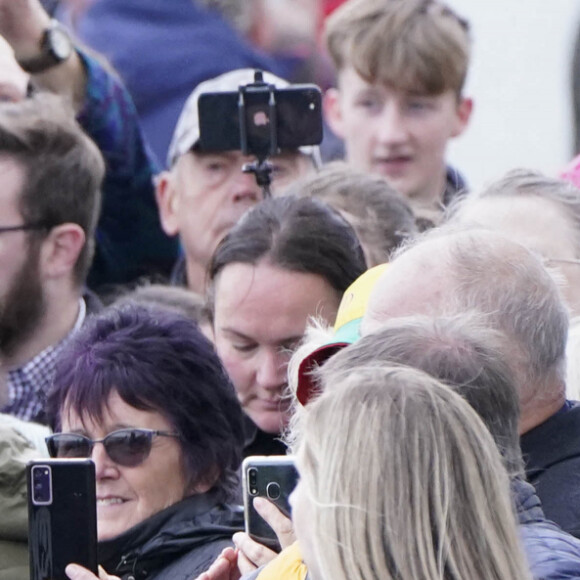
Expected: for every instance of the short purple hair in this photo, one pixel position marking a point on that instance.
(156, 360)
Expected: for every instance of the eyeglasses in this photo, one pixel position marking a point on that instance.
(127, 447)
(24, 227)
(561, 261)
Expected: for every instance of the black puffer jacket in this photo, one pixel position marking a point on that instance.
(178, 543)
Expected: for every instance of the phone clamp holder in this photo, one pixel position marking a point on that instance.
(261, 168)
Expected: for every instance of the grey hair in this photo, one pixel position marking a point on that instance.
(404, 482)
(459, 351)
(519, 297)
(175, 298)
(506, 283)
(527, 182)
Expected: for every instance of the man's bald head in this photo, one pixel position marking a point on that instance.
(452, 272)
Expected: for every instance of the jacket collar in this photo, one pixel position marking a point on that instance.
(168, 534)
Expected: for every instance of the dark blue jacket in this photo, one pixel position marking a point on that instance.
(130, 242)
(552, 553)
(163, 50)
(552, 455)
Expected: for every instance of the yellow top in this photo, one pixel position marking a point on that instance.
(288, 565)
(355, 298)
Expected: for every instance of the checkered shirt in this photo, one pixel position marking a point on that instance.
(28, 385)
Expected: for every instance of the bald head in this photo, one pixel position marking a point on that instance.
(417, 283)
(539, 212)
(453, 272)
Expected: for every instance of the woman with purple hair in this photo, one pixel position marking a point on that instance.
(142, 393)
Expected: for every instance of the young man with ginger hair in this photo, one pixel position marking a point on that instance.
(401, 69)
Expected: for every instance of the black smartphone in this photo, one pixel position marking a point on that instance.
(273, 477)
(62, 517)
(285, 118)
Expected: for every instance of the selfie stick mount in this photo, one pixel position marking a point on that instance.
(261, 168)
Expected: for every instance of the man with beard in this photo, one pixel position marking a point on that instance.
(51, 176)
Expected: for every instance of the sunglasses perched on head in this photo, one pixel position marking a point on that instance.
(127, 447)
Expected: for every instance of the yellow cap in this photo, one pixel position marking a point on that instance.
(346, 328)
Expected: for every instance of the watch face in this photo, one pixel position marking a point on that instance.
(60, 43)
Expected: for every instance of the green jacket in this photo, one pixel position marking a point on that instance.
(15, 452)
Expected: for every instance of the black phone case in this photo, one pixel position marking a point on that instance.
(274, 469)
(64, 530)
(298, 119)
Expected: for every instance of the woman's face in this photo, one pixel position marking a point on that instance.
(127, 496)
(260, 315)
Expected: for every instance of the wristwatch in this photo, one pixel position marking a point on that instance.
(56, 46)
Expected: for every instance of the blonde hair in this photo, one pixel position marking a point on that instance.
(405, 482)
(417, 45)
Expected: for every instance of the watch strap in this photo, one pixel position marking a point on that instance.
(48, 57)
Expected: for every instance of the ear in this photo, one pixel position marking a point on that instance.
(61, 249)
(167, 198)
(464, 110)
(333, 111)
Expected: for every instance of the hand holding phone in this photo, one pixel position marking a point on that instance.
(272, 478)
(253, 554)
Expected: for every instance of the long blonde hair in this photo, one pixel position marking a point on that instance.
(405, 482)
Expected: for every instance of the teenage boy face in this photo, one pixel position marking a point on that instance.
(395, 133)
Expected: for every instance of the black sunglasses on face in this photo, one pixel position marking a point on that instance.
(127, 447)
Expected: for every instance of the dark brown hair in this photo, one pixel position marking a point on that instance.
(63, 168)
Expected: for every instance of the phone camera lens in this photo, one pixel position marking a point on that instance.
(253, 477)
(273, 490)
(253, 481)
(41, 493)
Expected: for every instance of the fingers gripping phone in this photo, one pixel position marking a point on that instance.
(62, 516)
(273, 477)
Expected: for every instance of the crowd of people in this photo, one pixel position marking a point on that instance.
(413, 343)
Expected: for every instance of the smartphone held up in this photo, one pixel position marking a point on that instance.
(62, 516)
(260, 120)
(272, 477)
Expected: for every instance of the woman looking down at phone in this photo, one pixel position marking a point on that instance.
(286, 260)
(141, 392)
